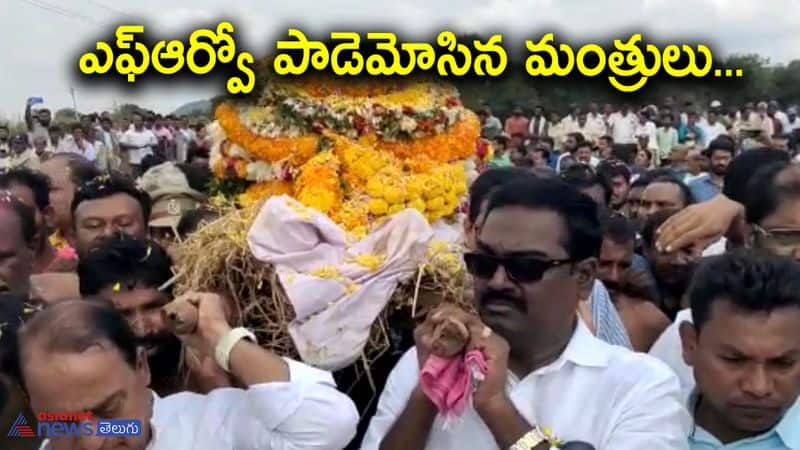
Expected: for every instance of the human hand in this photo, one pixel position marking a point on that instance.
(699, 224)
(211, 322)
(492, 390)
(442, 332)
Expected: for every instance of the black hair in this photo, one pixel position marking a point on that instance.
(125, 260)
(73, 326)
(485, 183)
(744, 166)
(765, 193)
(578, 211)
(721, 143)
(550, 141)
(581, 176)
(642, 181)
(686, 193)
(652, 223)
(617, 228)
(579, 139)
(199, 177)
(12, 315)
(35, 181)
(107, 185)
(607, 138)
(612, 168)
(191, 220)
(27, 219)
(150, 161)
(751, 280)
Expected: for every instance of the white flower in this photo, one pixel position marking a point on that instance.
(237, 151)
(259, 171)
(452, 115)
(408, 124)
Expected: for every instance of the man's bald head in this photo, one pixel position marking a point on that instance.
(75, 326)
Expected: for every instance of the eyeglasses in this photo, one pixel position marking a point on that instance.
(777, 238)
(520, 269)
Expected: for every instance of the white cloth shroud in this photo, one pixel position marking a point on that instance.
(334, 314)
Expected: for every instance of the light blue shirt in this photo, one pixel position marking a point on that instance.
(703, 189)
(606, 318)
(785, 436)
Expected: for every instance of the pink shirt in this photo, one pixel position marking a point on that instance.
(516, 125)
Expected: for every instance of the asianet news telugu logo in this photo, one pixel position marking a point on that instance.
(50, 425)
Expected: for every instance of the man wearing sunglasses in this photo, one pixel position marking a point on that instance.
(535, 251)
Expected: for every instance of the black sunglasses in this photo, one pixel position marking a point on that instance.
(522, 269)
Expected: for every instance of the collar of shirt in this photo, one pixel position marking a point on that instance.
(581, 351)
(786, 432)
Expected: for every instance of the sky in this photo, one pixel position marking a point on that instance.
(41, 40)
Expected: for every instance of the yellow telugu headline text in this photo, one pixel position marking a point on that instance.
(627, 67)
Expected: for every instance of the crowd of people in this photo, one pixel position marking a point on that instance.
(636, 286)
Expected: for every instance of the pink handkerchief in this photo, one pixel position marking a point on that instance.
(449, 382)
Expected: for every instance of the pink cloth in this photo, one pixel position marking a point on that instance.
(449, 382)
(67, 252)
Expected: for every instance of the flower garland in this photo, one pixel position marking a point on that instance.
(297, 150)
(260, 191)
(318, 185)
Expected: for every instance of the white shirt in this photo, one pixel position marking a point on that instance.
(594, 392)
(623, 127)
(306, 413)
(647, 129)
(710, 132)
(668, 349)
(142, 141)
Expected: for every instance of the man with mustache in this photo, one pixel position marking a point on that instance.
(536, 250)
(17, 244)
(632, 289)
(744, 349)
(130, 273)
(672, 270)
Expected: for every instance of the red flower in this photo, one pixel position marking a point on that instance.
(317, 127)
(452, 102)
(482, 148)
(360, 124)
(407, 110)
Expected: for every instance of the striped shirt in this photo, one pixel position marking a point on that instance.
(606, 319)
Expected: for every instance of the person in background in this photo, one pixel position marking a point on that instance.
(690, 132)
(165, 137)
(17, 244)
(502, 152)
(585, 155)
(20, 154)
(94, 352)
(83, 143)
(540, 156)
(623, 125)
(183, 136)
(617, 175)
(586, 181)
(665, 192)
(41, 147)
(137, 142)
(557, 132)
(643, 160)
(107, 206)
(711, 128)
(491, 126)
(646, 128)
(720, 152)
(633, 204)
(588, 129)
(743, 344)
(632, 289)
(32, 189)
(672, 270)
(517, 123)
(171, 196)
(545, 369)
(66, 171)
(571, 142)
(777, 116)
(666, 138)
(538, 125)
(605, 146)
(37, 121)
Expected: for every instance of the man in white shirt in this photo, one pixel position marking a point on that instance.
(536, 253)
(711, 128)
(139, 142)
(79, 356)
(646, 127)
(623, 126)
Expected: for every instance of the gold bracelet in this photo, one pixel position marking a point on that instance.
(529, 440)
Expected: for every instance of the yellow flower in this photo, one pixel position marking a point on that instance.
(369, 261)
(435, 204)
(378, 207)
(329, 272)
(396, 208)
